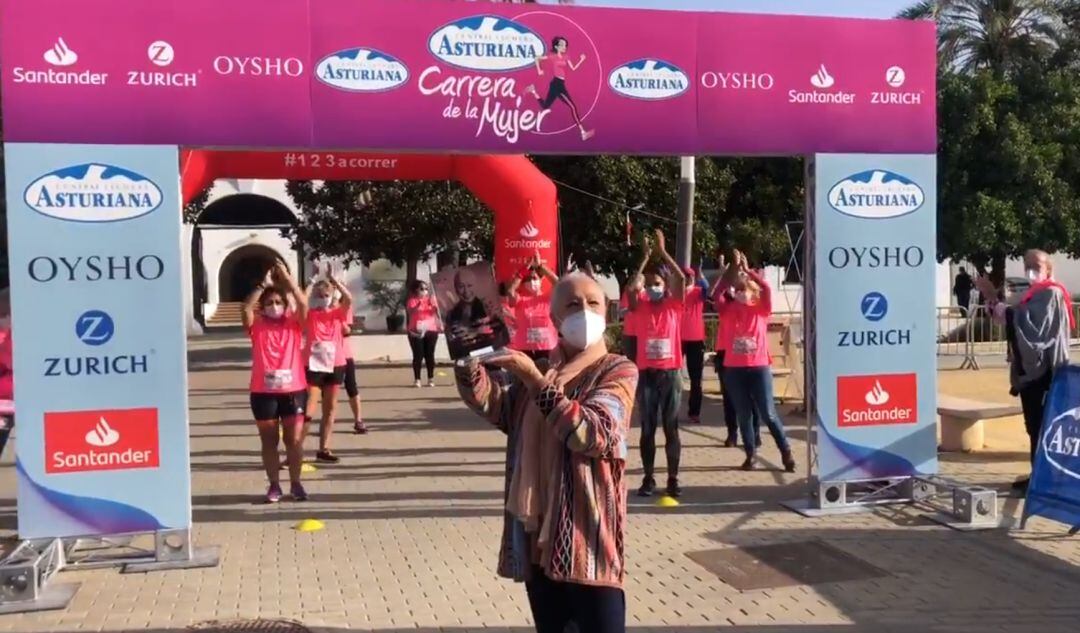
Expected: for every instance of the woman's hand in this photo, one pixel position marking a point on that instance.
(521, 366)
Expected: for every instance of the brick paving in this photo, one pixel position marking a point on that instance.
(413, 515)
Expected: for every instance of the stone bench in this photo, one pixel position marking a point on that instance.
(962, 421)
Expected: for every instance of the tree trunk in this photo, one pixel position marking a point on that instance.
(410, 271)
(449, 257)
(997, 270)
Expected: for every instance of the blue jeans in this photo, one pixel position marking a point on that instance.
(751, 392)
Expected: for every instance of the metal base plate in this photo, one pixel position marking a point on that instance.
(53, 597)
(200, 557)
(808, 508)
(950, 521)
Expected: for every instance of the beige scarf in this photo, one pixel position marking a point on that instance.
(535, 482)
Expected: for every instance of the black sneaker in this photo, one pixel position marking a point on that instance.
(673, 488)
(648, 486)
(731, 442)
(296, 490)
(788, 460)
(748, 464)
(1021, 485)
(757, 441)
(327, 456)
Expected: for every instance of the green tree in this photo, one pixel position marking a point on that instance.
(403, 222)
(768, 194)
(999, 35)
(597, 192)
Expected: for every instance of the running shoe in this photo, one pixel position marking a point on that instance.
(327, 456)
(748, 464)
(359, 428)
(273, 493)
(417, 384)
(431, 383)
(731, 442)
(297, 491)
(788, 460)
(695, 419)
(648, 486)
(673, 488)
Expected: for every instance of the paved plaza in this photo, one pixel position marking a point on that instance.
(413, 515)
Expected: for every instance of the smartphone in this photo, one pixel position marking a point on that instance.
(483, 355)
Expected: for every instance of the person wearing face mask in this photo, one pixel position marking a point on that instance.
(423, 329)
(534, 333)
(745, 301)
(352, 389)
(563, 531)
(659, 360)
(326, 354)
(720, 349)
(629, 318)
(278, 385)
(1037, 330)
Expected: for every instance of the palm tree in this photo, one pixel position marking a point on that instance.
(992, 34)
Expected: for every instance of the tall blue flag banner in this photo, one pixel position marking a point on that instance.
(99, 343)
(875, 348)
(1054, 490)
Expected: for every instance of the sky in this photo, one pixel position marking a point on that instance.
(840, 8)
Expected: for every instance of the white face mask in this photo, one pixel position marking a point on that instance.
(534, 286)
(274, 311)
(1033, 275)
(742, 297)
(583, 329)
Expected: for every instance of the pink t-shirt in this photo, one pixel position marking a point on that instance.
(629, 318)
(658, 334)
(693, 321)
(7, 378)
(533, 329)
(423, 315)
(277, 355)
(326, 339)
(558, 65)
(747, 329)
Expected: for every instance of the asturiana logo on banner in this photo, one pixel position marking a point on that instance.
(1061, 443)
(486, 42)
(876, 194)
(84, 441)
(361, 70)
(93, 192)
(649, 79)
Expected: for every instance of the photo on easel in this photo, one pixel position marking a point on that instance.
(468, 299)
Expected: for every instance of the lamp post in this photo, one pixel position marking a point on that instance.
(684, 232)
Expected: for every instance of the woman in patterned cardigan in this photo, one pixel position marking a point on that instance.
(566, 457)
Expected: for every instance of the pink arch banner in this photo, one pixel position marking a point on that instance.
(462, 76)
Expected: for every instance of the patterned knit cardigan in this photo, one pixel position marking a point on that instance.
(592, 422)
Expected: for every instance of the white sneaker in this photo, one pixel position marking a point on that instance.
(431, 383)
(417, 384)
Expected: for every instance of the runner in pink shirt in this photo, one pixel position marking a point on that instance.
(325, 354)
(352, 389)
(693, 340)
(559, 63)
(659, 314)
(424, 326)
(278, 385)
(720, 349)
(745, 300)
(534, 333)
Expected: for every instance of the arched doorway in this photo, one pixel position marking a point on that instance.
(242, 271)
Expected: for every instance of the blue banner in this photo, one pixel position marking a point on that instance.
(1054, 490)
(99, 339)
(875, 348)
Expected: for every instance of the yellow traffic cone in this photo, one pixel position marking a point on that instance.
(667, 501)
(310, 525)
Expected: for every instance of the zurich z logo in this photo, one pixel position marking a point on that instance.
(95, 328)
(874, 306)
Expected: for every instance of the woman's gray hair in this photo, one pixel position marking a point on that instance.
(567, 281)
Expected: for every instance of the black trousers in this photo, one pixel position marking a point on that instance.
(423, 351)
(694, 352)
(629, 347)
(1033, 402)
(557, 605)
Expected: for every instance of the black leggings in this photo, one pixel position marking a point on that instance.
(1033, 402)
(658, 397)
(694, 351)
(351, 388)
(423, 351)
(555, 605)
(557, 90)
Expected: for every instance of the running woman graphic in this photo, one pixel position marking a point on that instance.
(557, 87)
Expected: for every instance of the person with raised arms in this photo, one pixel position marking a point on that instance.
(744, 300)
(658, 301)
(534, 333)
(423, 327)
(563, 531)
(278, 385)
(326, 353)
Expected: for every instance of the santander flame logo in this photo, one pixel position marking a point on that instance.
(529, 231)
(822, 79)
(877, 396)
(102, 435)
(60, 54)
